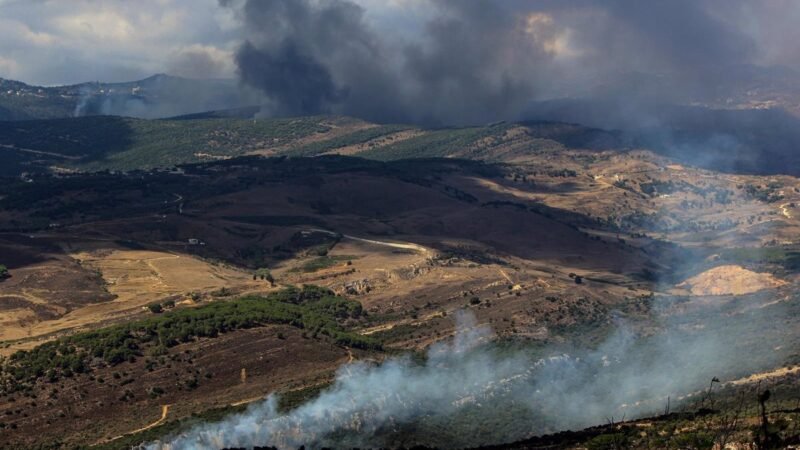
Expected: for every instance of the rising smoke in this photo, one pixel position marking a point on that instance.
(470, 392)
(159, 96)
(477, 60)
(313, 57)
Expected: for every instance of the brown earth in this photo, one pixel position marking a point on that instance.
(116, 284)
(552, 242)
(193, 377)
(730, 280)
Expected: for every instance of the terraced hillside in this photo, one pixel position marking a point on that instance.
(111, 279)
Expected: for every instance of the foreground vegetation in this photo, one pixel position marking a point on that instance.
(323, 262)
(316, 310)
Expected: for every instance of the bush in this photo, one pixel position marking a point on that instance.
(608, 442)
(317, 310)
(155, 391)
(264, 274)
(4, 272)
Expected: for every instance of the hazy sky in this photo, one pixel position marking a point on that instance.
(69, 41)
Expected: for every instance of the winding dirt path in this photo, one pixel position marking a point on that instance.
(785, 210)
(164, 413)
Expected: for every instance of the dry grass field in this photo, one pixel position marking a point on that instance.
(120, 283)
(545, 245)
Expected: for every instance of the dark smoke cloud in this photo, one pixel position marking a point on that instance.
(475, 61)
(311, 57)
(308, 89)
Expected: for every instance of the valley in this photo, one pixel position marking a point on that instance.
(545, 233)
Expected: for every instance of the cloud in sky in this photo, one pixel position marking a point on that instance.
(464, 61)
(461, 62)
(62, 42)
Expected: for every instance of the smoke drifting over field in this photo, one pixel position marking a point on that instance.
(469, 392)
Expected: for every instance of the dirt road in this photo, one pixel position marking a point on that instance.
(401, 245)
(164, 412)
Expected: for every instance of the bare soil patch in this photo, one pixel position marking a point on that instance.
(730, 280)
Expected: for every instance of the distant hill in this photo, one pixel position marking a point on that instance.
(20, 101)
(153, 97)
(98, 143)
(756, 142)
(119, 143)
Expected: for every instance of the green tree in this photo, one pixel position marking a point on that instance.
(266, 275)
(4, 272)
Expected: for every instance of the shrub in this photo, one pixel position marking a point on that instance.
(264, 274)
(608, 442)
(314, 309)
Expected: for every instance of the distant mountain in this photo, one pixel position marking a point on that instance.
(758, 141)
(20, 101)
(153, 97)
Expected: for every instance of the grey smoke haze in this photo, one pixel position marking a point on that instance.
(160, 96)
(316, 57)
(469, 392)
(428, 61)
(474, 61)
(435, 62)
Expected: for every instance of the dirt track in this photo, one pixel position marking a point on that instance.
(164, 412)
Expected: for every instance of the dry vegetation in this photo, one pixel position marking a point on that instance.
(543, 239)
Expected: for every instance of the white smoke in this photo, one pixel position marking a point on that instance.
(365, 397)
(82, 103)
(467, 386)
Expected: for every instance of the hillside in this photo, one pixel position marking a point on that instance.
(156, 96)
(436, 224)
(548, 246)
(123, 144)
(117, 143)
(748, 138)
